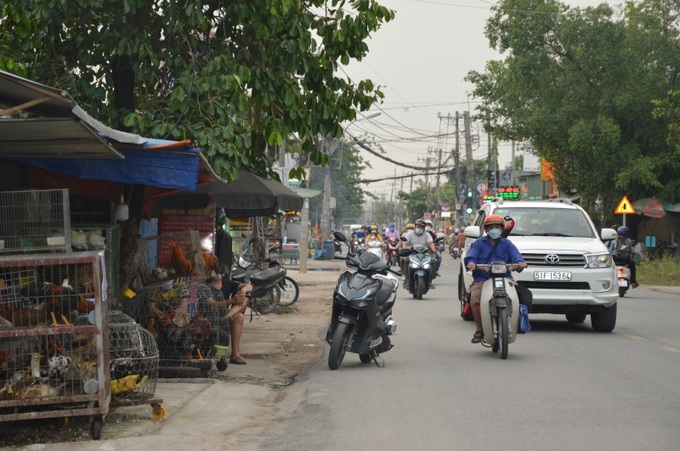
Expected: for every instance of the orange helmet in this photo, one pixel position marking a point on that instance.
(494, 220)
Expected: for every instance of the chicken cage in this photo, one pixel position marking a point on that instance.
(133, 360)
(102, 237)
(34, 221)
(189, 330)
(54, 349)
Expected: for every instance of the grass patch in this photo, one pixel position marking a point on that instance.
(284, 310)
(664, 272)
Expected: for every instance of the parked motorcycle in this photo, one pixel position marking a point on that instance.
(419, 268)
(361, 318)
(392, 251)
(499, 307)
(268, 283)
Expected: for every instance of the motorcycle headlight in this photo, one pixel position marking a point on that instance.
(414, 265)
(426, 266)
(598, 261)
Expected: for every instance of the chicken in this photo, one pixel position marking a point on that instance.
(183, 266)
(23, 317)
(52, 367)
(213, 264)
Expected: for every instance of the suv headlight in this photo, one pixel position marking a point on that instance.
(599, 261)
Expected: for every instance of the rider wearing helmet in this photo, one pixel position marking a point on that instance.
(437, 257)
(363, 233)
(622, 251)
(374, 230)
(392, 232)
(484, 250)
(418, 236)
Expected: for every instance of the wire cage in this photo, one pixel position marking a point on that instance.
(133, 355)
(34, 221)
(106, 237)
(53, 345)
(157, 262)
(183, 320)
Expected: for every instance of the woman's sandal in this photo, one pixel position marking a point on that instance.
(477, 337)
(237, 361)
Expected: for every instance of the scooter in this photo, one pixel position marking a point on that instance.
(499, 307)
(375, 247)
(419, 268)
(361, 318)
(623, 275)
(267, 283)
(392, 249)
(455, 251)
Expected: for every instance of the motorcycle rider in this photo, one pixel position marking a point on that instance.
(416, 237)
(485, 250)
(391, 235)
(392, 232)
(624, 257)
(437, 255)
(374, 229)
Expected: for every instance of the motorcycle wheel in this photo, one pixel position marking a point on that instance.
(420, 287)
(268, 302)
(503, 331)
(290, 291)
(622, 291)
(339, 344)
(365, 358)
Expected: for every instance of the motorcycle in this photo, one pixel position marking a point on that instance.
(420, 269)
(359, 245)
(267, 283)
(455, 251)
(499, 308)
(623, 276)
(392, 249)
(376, 247)
(361, 318)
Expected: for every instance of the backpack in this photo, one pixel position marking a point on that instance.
(622, 251)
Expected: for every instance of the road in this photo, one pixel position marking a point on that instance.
(563, 385)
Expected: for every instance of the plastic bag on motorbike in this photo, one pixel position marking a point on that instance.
(524, 325)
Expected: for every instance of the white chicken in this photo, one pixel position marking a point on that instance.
(95, 240)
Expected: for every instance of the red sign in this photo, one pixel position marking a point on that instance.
(172, 221)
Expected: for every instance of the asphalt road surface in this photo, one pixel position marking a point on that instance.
(563, 386)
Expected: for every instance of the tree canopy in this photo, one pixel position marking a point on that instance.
(581, 86)
(236, 76)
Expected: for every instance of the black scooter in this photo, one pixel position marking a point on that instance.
(361, 320)
(420, 268)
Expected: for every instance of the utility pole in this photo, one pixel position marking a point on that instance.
(470, 173)
(456, 163)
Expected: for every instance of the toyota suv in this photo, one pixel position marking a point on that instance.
(569, 269)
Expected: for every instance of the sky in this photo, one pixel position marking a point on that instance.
(420, 60)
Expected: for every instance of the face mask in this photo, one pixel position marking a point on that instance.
(428, 228)
(419, 231)
(494, 234)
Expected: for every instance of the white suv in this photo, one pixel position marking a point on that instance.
(569, 269)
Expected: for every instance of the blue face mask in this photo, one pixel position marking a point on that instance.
(494, 234)
(419, 231)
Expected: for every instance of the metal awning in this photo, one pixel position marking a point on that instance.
(57, 128)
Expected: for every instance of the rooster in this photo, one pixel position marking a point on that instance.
(213, 264)
(183, 266)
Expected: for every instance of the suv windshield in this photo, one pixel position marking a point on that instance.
(547, 222)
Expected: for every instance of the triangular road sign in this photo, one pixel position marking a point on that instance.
(625, 207)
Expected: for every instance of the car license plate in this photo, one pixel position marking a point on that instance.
(552, 275)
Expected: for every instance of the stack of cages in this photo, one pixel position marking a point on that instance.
(53, 337)
(177, 309)
(102, 237)
(133, 355)
(34, 221)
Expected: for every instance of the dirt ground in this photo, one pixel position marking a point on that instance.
(278, 347)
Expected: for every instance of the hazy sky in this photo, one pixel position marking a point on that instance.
(420, 60)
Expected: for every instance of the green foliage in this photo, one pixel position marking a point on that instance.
(237, 77)
(664, 271)
(580, 85)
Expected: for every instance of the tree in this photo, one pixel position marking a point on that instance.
(579, 85)
(349, 197)
(237, 77)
